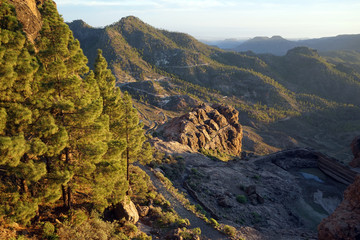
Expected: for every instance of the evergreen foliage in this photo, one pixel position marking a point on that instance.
(131, 131)
(65, 132)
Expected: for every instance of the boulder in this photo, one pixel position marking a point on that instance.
(250, 190)
(223, 201)
(126, 209)
(344, 223)
(143, 210)
(214, 128)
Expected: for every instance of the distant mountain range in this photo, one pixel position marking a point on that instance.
(279, 46)
(293, 97)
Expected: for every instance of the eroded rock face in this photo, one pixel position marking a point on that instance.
(355, 147)
(126, 209)
(344, 223)
(216, 128)
(28, 14)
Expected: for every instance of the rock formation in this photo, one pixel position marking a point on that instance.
(214, 128)
(29, 16)
(355, 147)
(126, 209)
(344, 223)
(307, 158)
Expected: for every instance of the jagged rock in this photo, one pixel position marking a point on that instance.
(355, 148)
(28, 14)
(250, 190)
(223, 201)
(143, 210)
(253, 197)
(215, 128)
(344, 223)
(126, 209)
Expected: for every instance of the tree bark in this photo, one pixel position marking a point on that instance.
(69, 197)
(63, 190)
(24, 186)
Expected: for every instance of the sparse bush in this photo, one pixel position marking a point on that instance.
(183, 222)
(214, 222)
(197, 231)
(256, 217)
(189, 234)
(229, 230)
(78, 217)
(142, 236)
(90, 229)
(241, 199)
(48, 229)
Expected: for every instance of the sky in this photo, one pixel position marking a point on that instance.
(224, 19)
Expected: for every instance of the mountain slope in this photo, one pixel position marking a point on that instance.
(266, 89)
(124, 60)
(303, 70)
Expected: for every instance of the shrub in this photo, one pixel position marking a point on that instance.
(183, 222)
(241, 199)
(48, 229)
(142, 236)
(256, 217)
(214, 222)
(229, 230)
(197, 231)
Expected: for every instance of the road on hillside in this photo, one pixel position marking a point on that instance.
(207, 232)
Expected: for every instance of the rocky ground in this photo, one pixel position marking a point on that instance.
(283, 197)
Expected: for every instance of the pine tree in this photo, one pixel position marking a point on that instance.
(63, 129)
(110, 178)
(132, 132)
(20, 169)
(70, 104)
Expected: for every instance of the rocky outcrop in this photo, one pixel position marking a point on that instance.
(336, 170)
(28, 14)
(214, 128)
(126, 209)
(355, 148)
(344, 223)
(307, 158)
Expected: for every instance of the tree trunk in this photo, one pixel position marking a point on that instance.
(24, 186)
(127, 165)
(63, 190)
(69, 197)
(67, 155)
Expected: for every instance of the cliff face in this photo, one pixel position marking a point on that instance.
(28, 14)
(215, 128)
(355, 147)
(344, 223)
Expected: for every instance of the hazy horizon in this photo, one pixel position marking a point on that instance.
(226, 19)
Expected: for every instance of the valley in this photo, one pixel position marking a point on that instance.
(128, 131)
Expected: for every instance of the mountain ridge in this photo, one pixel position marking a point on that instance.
(279, 46)
(264, 88)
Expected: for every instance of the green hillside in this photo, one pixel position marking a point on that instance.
(266, 89)
(303, 70)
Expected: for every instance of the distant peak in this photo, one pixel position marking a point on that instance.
(302, 51)
(80, 23)
(277, 37)
(259, 38)
(131, 19)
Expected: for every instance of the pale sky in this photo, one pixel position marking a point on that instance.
(221, 19)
